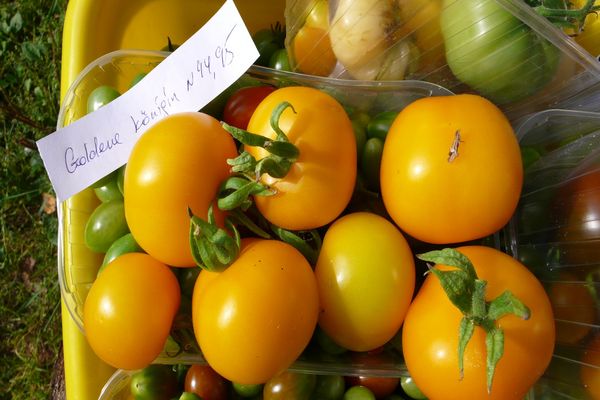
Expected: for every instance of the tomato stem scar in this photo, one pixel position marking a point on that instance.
(453, 153)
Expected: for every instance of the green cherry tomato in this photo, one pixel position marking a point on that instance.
(280, 61)
(329, 387)
(289, 386)
(360, 134)
(411, 389)
(189, 396)
(187, 279)
(101, 96)
(124, 244)
(247, 390)
(104, 180)
(358, 393)
(268, 41)
(121, 179)
(370, 162)
(155, 382)
(136, 79)
(327, 344)
(108, 192)
(105, 225)
(379, 126)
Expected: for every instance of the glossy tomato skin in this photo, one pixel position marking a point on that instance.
(129, 310)
(289, 385)
(203, 381)
(494, 52)
(366, 278)
(379, 386)
(255, 318)
(590, 368)
(321, 181)
(242, 103)
(440, 201)
(430, 335)
(178, 163)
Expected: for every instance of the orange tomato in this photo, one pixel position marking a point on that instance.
(435, 198)
(430, 335)
(255, 318)
(129, 310)
(178, 163)
(574, 308)
(590, 369)
(320, 183)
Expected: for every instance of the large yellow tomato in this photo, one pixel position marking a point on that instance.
(255, 318)
(451, 169)
(431, 327)
(321, 181)
(177, 163)
(366, 278)
(129, 310)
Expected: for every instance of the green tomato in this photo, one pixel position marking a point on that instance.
(329, 387)
(379, 126)
(124, 244)
(268, 41)
(137, 78)
(247, 390)
(155, 382)
(104, 180)
(327, 344)
(289, 386)
(101, 96)
(109, 191)
(359, 393)
(360, 134)
(494, 52)
(370, 162)
(105, 225)
(529, 155)
(187, 279)
(189, 396)
(280, 61)
(121, 179)
(411, 389)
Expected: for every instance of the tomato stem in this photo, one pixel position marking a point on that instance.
(453, 153)
(467, 292)
(573, 18)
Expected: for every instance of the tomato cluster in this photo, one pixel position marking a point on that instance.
(200, 381)
(305, 218)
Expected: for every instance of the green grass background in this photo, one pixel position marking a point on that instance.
(30, 327)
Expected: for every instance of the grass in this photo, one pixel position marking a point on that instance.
(30, 327)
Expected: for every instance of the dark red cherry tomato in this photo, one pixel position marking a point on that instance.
(241, 105)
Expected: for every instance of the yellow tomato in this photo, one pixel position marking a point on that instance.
(312, 51)
(321, 181)
(177, 163)
(366, 278)
(254, 319)
(589, 38)
(451, 169)
(129, 310)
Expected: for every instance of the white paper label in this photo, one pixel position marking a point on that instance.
(198, 71)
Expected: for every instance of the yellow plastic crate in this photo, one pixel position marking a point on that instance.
(91, 29)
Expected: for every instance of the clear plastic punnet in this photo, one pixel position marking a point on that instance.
(501, 49)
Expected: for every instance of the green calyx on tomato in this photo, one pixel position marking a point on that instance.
(268, 41)
(569, 18)
(467, 292)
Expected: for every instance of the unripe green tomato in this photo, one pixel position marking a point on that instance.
(379, 126)
(359, 393)
(124, 244)
(329, 387)
(411, 389)
(155, 382)
(105, 225)
(371, 162)
(108, 192)
(101, 96)
(247, 390)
